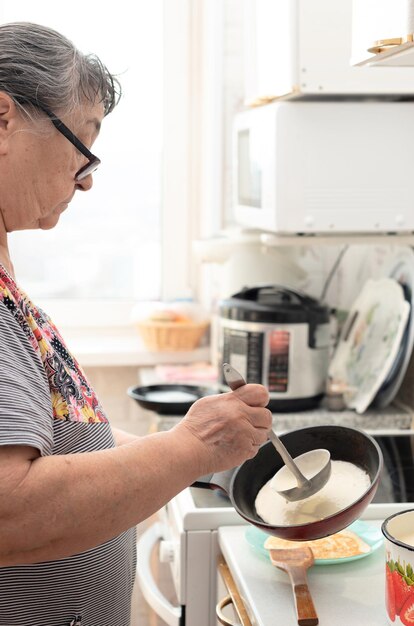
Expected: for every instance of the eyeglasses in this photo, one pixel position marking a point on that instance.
(93, 161)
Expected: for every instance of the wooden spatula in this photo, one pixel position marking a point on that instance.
(295, 562)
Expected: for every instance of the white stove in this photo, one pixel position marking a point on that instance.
(188, 540)
(187, 534)
(343, 593)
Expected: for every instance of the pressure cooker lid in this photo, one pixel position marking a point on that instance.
(273, 303)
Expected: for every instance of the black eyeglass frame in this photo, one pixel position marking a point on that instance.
(94, 161)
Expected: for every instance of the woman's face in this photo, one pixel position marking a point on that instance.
(38, 166)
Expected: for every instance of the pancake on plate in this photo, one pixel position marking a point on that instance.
(338, 546)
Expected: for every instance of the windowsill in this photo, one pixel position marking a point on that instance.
(109, 347)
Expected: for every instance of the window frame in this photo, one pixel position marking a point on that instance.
(191, 164)
(193, 136)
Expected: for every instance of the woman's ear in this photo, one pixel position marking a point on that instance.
(8, 118)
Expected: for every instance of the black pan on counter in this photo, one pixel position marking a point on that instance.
(243, 483)
(162, 398)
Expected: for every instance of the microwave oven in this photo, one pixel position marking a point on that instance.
(325, 167)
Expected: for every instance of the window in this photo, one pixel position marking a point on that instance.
(107, 245)
(129, 238)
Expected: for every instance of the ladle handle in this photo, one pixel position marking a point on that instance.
(235, 380)
(287, 459)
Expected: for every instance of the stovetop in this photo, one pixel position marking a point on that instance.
(396, 483)
(205, 509)
(209, 499)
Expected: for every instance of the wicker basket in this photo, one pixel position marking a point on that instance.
(171, 336)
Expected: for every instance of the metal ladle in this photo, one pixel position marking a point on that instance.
(315, 463)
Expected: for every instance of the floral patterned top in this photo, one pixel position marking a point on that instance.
(46, 402)
(72, 397)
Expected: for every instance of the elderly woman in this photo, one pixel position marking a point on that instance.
(72, 488)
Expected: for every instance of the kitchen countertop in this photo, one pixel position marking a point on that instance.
(392, 418)
(387, 419)
(347, 594)
(111, 347)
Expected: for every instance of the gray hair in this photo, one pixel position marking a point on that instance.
(39, 66)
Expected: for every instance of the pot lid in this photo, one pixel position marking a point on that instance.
(274, 304)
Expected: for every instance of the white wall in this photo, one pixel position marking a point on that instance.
(313, 263)
(359, 262)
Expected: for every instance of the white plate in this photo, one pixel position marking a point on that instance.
(368, 533)
(370, 341)
(401, 268)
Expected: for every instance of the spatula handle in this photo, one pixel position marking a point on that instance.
(305, 609)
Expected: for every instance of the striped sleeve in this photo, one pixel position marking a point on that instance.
(25, 405)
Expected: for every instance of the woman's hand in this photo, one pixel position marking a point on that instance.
(227, 429)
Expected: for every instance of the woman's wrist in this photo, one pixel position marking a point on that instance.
(190, 447)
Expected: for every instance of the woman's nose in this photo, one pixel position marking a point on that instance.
(85, 184)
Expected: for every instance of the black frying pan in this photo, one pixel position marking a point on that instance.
(243, 483)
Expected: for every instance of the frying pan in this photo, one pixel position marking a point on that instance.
(243, 483)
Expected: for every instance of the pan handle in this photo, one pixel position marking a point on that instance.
(219, 611)
(234, 598)
(219, 480)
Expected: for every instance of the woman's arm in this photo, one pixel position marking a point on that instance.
(52, 507)
(122, 437)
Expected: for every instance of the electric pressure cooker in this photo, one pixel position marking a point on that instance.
(278, 337)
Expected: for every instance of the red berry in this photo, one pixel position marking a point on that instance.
(389, 594)
(401, 589)
(407, 611)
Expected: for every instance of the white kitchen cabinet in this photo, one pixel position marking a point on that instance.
(303, 48)
(382, 33)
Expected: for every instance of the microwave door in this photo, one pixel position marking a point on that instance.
(249, 175)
